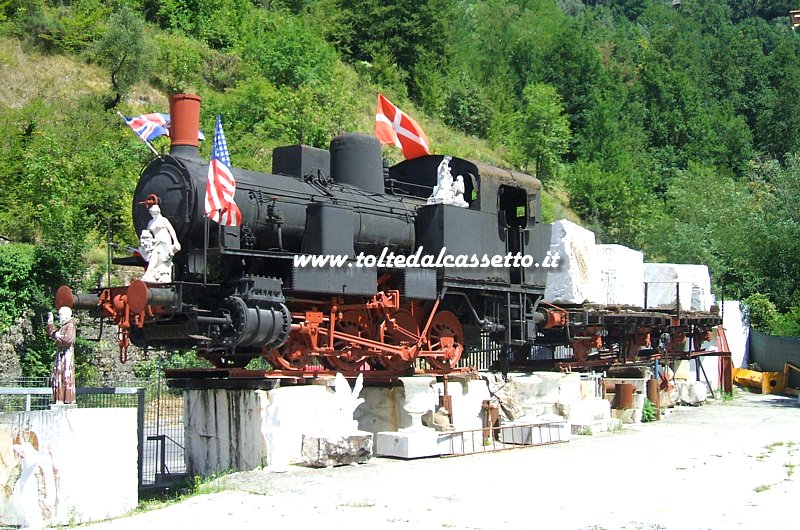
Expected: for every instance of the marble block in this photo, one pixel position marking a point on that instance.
(621, 271)
(408, 444)
(691, 392)
(585, 409)
(327, 451)
(535, 433)
(575, 280)
(693, 281)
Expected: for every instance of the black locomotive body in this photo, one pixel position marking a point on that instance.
(236, 289)
(239, 292)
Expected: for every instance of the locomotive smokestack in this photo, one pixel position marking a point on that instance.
(184, 124)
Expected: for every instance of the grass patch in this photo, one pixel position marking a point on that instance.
(180, 491)
(726, 396)
(763, 487)
(789, 469)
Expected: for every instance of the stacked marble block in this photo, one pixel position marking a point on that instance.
(615, 275)
(552, 397)
(393, 414)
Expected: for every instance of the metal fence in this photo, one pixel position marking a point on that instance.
(160, 418)
(485, 356)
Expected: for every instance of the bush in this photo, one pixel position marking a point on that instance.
(648, 412)
(284, 50)
(466, 108)
(18, 290)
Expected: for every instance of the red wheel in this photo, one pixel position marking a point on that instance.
(399, 329)
(349, 357)
(447, 336)
(295, 355)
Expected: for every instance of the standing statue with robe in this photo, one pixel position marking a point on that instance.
(63, 376)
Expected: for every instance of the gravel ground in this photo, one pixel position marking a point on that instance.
(728, 464)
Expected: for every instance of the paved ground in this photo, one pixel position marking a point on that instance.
(733, 464)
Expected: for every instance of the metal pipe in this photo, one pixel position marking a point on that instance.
(222, 321)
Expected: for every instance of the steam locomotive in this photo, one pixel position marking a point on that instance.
(239, 292)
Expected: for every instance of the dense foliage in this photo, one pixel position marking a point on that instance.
(670, 130)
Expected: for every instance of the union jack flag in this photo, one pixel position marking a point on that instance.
(221, 188)
(148, 127)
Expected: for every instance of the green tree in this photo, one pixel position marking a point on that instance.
(126, 51)
(541, 134)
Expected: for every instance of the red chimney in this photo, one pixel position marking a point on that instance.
(184, 110)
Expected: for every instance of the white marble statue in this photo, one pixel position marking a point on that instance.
(448, 191)
(347, 402)
(443, 191)
(458, 193)
(158, 244)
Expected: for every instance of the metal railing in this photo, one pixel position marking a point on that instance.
(502, 437)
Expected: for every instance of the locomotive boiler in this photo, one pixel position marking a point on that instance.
(239, 292)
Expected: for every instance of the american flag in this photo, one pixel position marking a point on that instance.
(221, 187)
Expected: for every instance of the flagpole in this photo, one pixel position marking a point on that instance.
(145, 141)
(205, 254)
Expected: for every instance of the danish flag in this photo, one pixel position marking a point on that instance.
(392, 126)
(221, 188)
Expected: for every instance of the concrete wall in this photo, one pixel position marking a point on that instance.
(84, 463)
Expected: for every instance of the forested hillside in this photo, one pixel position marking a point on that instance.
(672, 129)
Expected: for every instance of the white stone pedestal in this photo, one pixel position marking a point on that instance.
(415, 441)
(409, 444)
